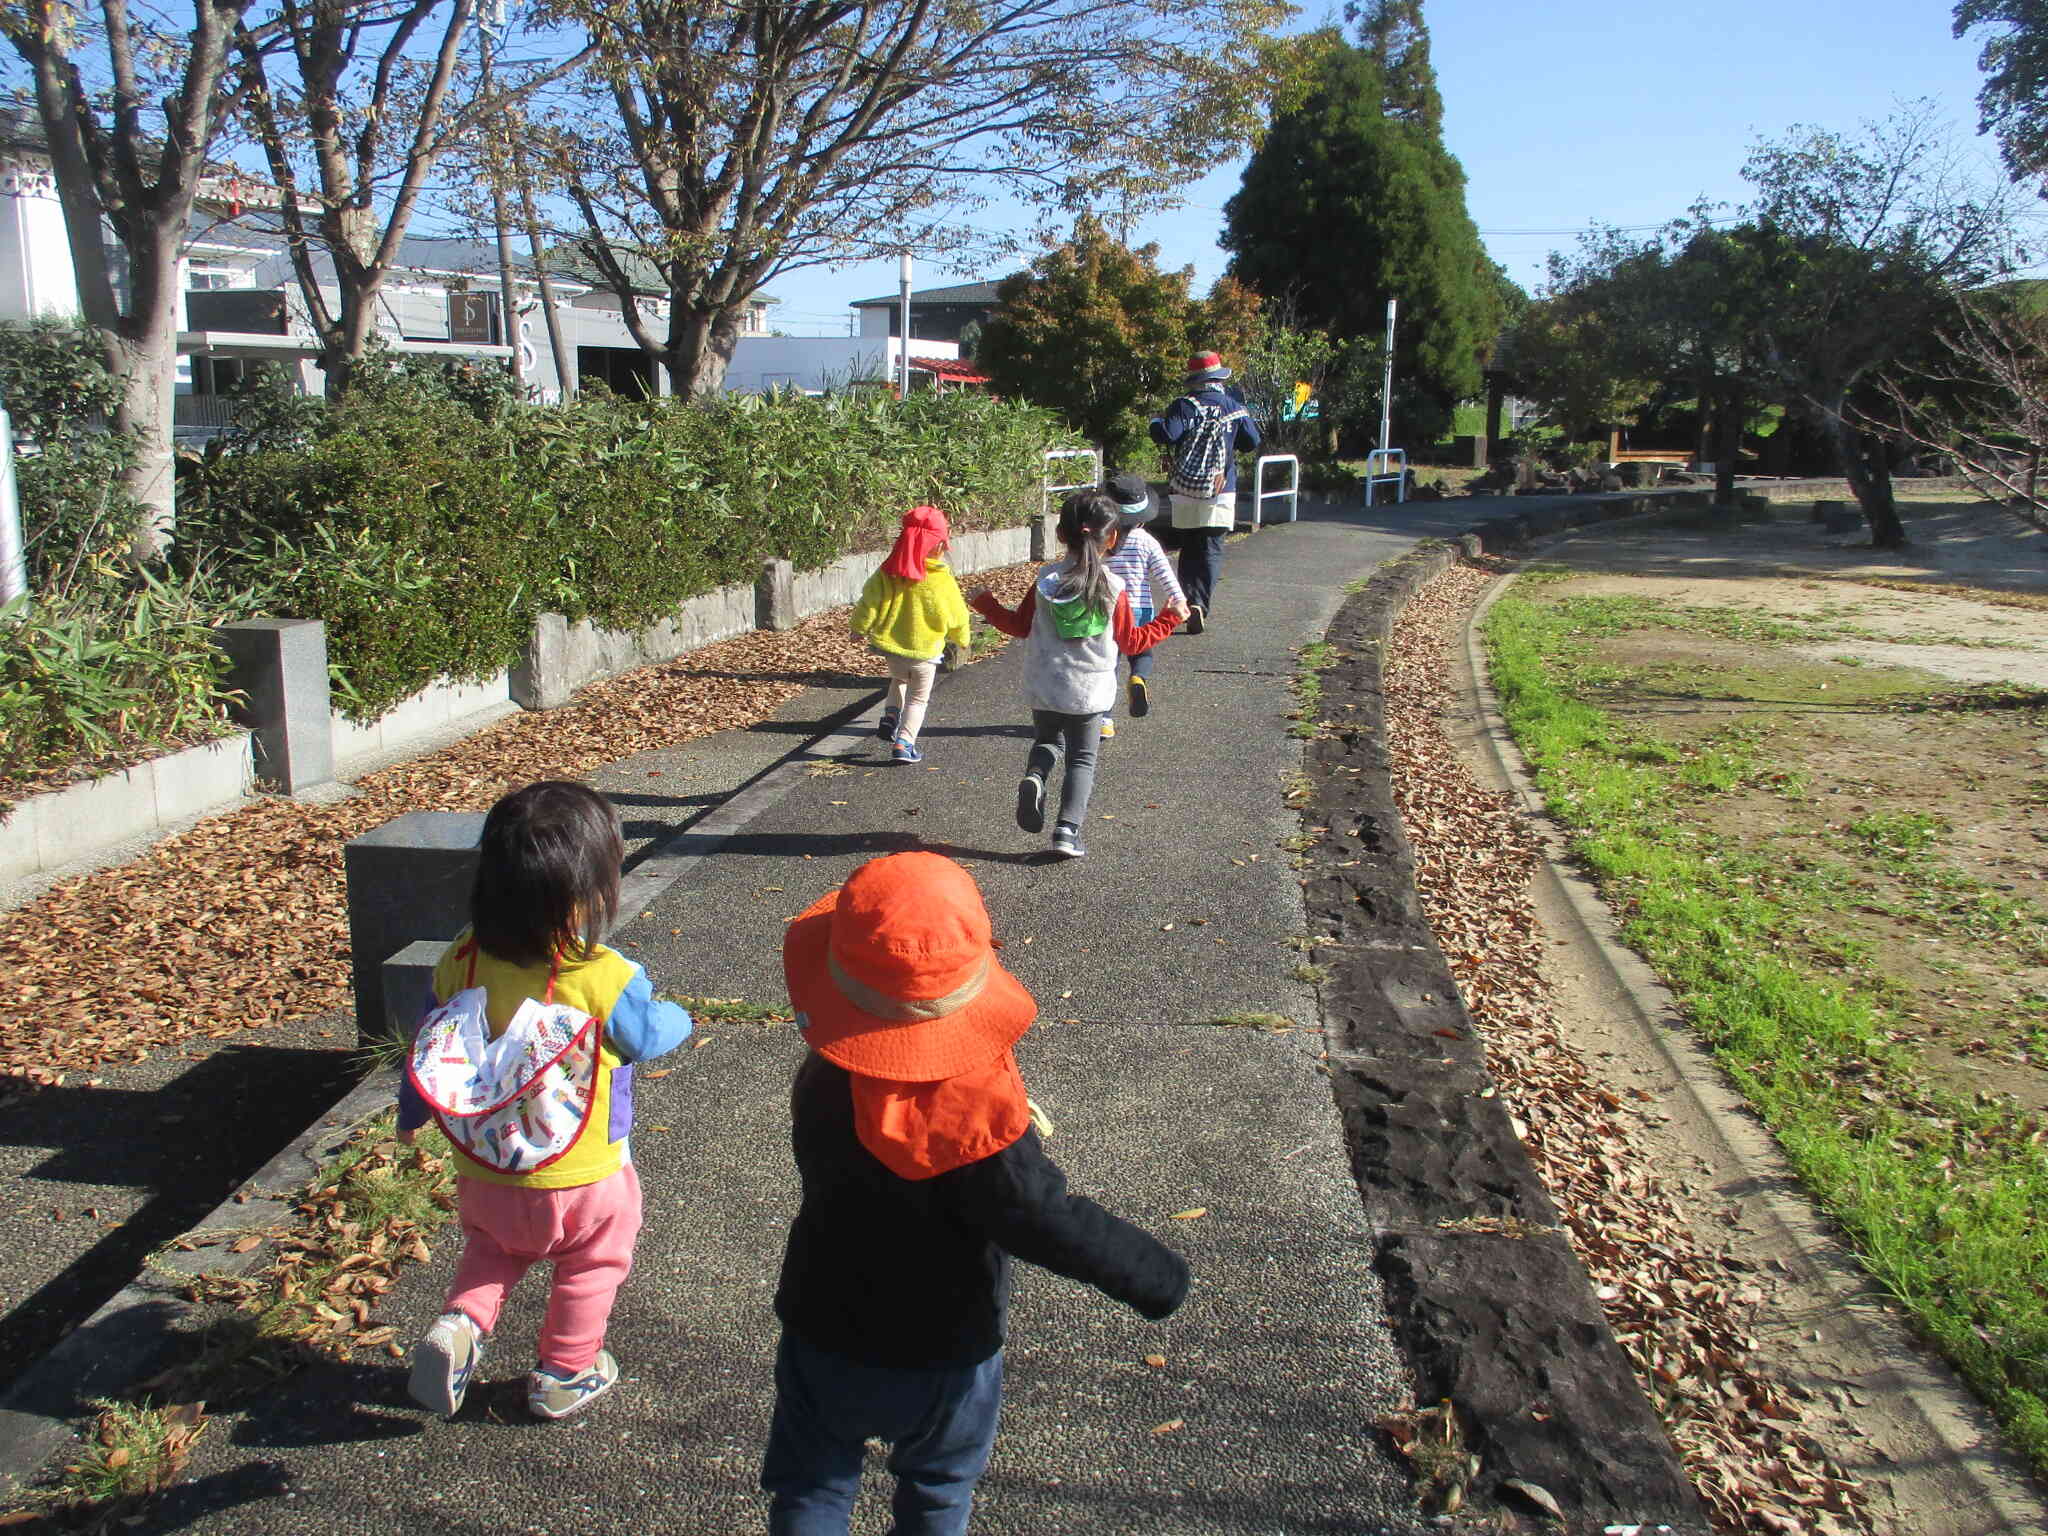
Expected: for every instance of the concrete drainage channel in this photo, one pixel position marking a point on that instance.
(1493, 1310)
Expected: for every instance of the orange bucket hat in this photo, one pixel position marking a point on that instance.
(896, 977)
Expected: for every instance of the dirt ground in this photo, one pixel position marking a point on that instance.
(1875, 636)
(1846, 664)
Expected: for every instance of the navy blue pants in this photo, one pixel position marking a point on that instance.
(1201, 562)
(940, 1423)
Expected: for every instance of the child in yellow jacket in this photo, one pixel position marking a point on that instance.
(910, 611)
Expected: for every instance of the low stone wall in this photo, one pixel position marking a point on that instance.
(435, 711)
(300, 742)
(561, 657)
(48, 831)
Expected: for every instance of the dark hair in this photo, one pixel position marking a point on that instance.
(547, 867)
(1086, 519)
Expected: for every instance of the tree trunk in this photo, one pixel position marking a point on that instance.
(1872, 489)
(147, 367)
(1727, 444)
(142, 350)
(700, 349)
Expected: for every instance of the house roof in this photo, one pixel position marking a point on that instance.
(959, 369)
(959, 293)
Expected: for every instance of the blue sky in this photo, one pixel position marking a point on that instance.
(1577, 112)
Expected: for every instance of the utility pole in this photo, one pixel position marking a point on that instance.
(490, 28)
(903, 280)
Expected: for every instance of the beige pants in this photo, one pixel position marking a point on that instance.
(910, 690)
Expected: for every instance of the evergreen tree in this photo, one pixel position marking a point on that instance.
(1346, 205)
(1394, 33)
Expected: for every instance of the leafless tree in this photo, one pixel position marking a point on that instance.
(377, 94)
(130, 106)
(717, 143)
(1983, 404)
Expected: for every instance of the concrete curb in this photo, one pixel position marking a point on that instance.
(1952, 1416)
(125, 1339)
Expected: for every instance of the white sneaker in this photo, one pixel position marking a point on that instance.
(549, 1396)
(444, 1361)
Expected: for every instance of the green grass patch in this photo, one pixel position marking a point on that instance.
(1311, 661)
(1941, 1194)
(734, 1010)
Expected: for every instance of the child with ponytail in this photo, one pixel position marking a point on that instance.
(1077, 621)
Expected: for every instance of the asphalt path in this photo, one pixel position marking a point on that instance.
(1142, 957)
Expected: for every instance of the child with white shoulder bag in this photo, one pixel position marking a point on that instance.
(526, 1062)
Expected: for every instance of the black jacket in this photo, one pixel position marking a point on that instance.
(916, 1272)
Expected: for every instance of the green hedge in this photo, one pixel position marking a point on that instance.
(429, 534)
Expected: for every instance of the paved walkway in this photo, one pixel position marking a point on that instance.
(1278, 1365)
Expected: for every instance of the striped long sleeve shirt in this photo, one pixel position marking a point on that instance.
(1146, 573)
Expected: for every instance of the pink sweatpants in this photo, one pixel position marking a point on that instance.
(586, 1232)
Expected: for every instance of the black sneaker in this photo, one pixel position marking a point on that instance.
(1066, 842)
(886, 726)
(1141, 697)
(1197, 620)
(1031, 803)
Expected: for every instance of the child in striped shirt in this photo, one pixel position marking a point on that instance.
(1147, 576)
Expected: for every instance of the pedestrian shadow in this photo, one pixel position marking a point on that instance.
(171, 1143)
(832, 845)
(824, 677)
(200, 1499)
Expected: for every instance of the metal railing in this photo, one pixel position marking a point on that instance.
(1094, 458)
(1398, 479)
(1292, 490)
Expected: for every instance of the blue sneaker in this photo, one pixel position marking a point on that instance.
(906, 751)
(444, 1361)
(549, 1396)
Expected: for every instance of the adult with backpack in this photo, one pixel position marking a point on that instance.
(1203, 432)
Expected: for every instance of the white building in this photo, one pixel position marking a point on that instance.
(814, 363)
(241, 303)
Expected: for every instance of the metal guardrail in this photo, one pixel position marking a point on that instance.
(1094, 458)
(1397, 479)
(1292, 491)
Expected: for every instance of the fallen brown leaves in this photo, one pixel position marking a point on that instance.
(349, 1236)
(1675, 1303)
(241, 922)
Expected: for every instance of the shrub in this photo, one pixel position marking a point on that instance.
(429, 530)
(107, 673)
(58, 392)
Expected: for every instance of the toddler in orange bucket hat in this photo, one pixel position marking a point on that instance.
(922, 1177)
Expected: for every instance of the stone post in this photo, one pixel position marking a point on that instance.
(408, 978)
(775, 596)
(539, 679)
(408, 880)
(1045, 536)
(279, 666)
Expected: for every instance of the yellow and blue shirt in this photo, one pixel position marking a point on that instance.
(636, 1027)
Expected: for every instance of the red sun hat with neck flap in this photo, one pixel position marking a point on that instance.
(896, 977)
(923, 533)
